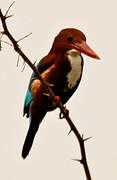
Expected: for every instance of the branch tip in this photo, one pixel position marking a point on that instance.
(24, 65)
(8, 9)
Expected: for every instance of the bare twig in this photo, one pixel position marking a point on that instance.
(0, 45)
(24, 65)
(24, 37)
(9, 9)
(9, 16)
(18, 60)
(7, 43)
(59, 104)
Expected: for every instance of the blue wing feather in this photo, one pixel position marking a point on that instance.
(41, 66)
(28, 99)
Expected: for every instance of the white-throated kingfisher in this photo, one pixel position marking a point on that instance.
(62, 69)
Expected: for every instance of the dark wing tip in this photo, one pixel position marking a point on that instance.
(30, 138)
(28, 143)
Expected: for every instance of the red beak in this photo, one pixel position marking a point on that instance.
(84, 48)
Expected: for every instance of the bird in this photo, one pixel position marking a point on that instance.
(62, 68)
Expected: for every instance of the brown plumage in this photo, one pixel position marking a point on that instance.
(62, 68)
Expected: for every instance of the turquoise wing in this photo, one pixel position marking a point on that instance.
(44, 64)
(28, 99)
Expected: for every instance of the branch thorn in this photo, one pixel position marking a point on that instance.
(70, 132)
(1, 33)
(34, 63)
(0, 46)
(79, 160)
(9, 16)
(86, 139)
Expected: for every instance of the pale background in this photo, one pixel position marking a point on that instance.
(93, 107)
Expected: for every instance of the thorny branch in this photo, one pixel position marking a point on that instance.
(63, 110)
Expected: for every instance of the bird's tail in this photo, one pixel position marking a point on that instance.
(34, 125)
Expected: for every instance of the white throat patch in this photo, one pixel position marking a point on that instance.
(75, 60)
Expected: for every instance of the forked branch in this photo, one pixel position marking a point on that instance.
(63, 110)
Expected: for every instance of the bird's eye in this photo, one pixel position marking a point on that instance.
(70, 39)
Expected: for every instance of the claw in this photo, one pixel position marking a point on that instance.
(34, 78)
(66, 112)
(46, 94)
(55, 103)
(50, 85)
(61, 115)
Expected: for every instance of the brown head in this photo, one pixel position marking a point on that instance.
(72, 39)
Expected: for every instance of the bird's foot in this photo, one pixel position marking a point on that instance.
(50, 85)
(57, 101)
(61, 115)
